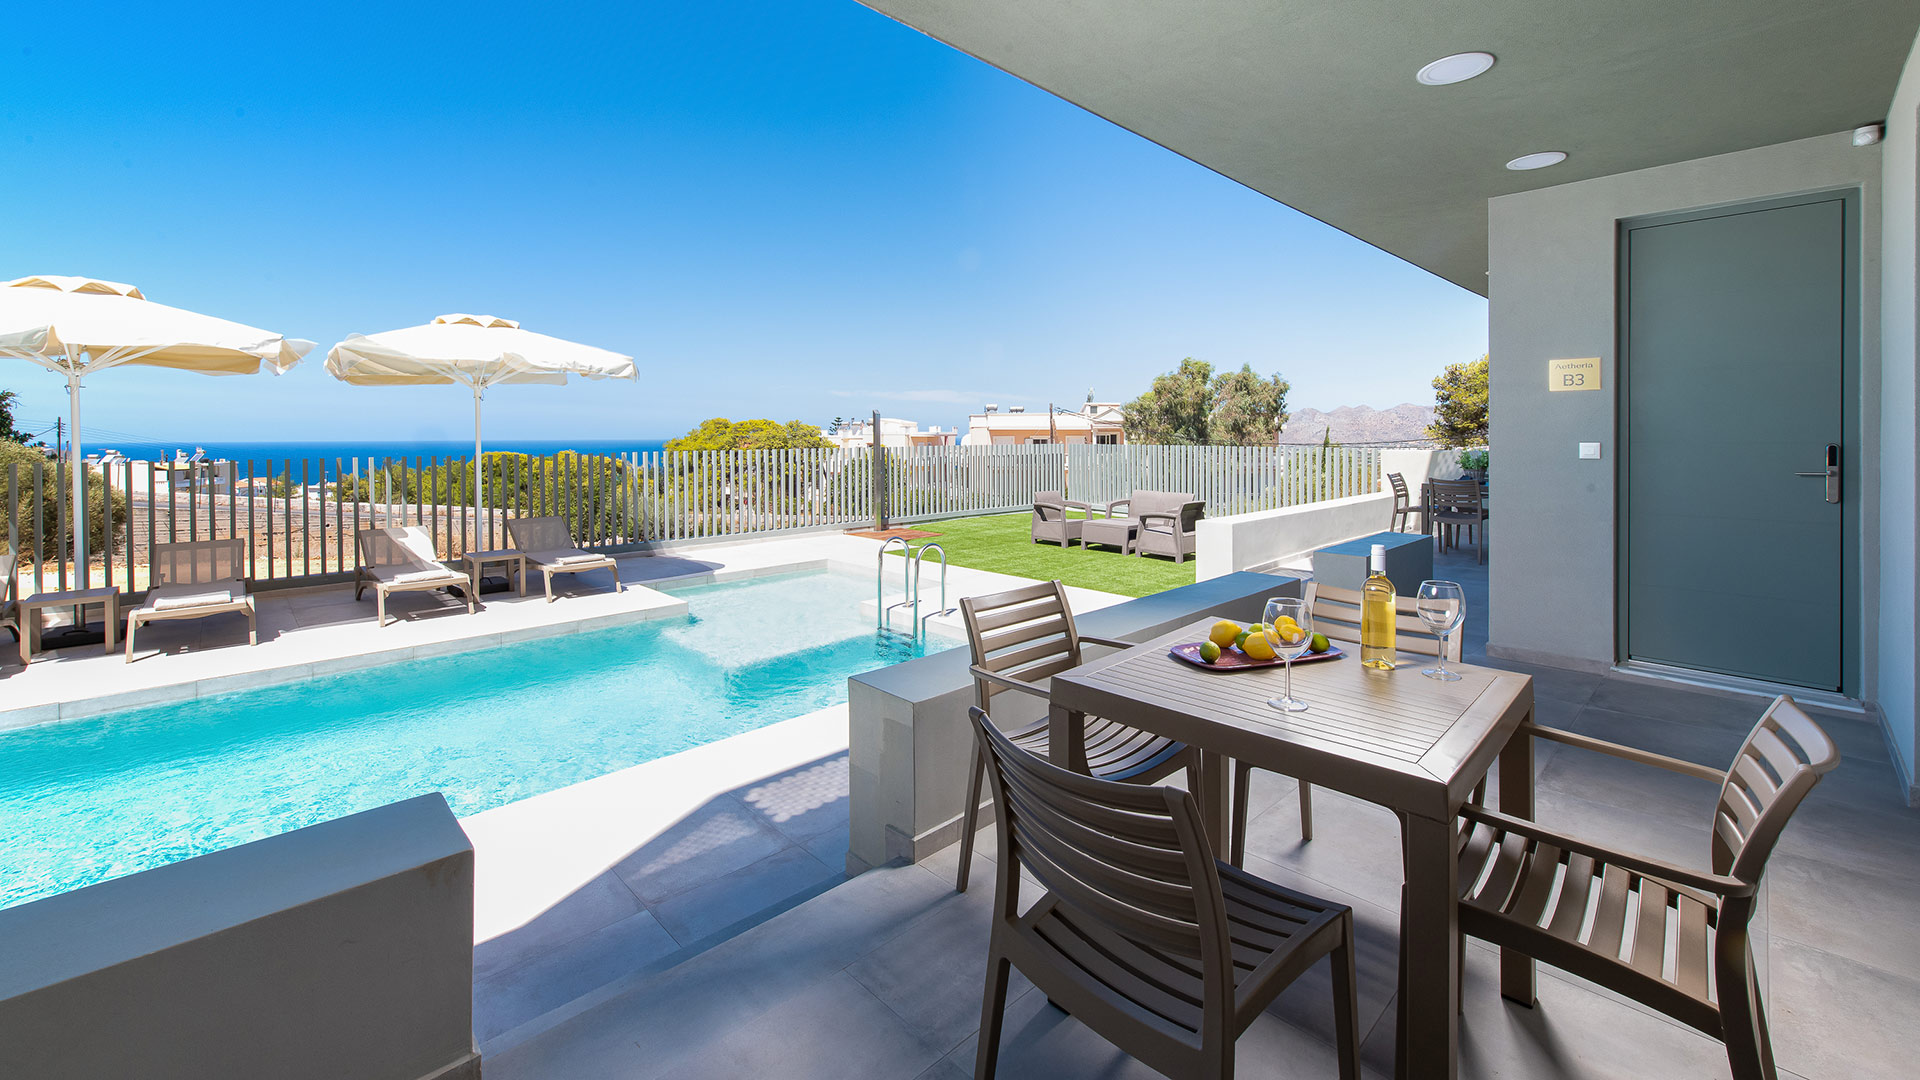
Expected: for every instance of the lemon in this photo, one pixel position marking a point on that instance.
(1319, 643)
(1289, 633)
(1258, 647)
(1210, 650)
(1225, 632)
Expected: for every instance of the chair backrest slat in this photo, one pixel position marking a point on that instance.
(1399, 485)
(1781, 760)
(1025, 634)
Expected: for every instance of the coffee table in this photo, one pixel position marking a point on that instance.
(477, 561)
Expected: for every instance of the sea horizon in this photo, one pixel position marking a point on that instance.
(266, 456)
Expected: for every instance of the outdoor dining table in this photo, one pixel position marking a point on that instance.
(1415, 745)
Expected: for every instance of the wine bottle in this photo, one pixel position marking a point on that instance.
(1377, 613)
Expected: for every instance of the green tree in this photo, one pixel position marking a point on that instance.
(720, 433)
(1191, 406)
(38, 529)
(1247, 410)
(1460, 405)
(9, 433)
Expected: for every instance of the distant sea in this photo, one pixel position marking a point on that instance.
(271, 456)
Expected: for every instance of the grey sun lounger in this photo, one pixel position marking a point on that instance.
(192, 580)
(401, 560)
(549, 548)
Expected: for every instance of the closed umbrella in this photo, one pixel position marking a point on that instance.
(77, 326)
(476, 351)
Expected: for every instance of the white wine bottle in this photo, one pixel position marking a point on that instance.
(1377, 613)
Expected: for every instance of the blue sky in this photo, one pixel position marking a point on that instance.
(786, 209)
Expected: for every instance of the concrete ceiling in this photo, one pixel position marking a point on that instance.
(1315, 103)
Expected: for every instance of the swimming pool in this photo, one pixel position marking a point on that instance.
(86, 800)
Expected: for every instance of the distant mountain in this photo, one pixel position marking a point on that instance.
(1355, 424)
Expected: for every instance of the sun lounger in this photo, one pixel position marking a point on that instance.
(193, 580)
(401, 560)
(9, 584)
(548, 547)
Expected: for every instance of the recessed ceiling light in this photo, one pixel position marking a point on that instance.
(1536, 161)
(1456, 68)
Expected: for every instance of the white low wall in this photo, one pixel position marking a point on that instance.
(344, 949)
(1419, 466)
(1262, 540)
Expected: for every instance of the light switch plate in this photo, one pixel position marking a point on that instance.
(1590, 451)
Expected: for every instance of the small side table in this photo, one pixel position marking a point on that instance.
(108, 597)
(477, 561)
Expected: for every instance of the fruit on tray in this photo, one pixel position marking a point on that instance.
(1288, 631)
(1224, 633)
(1258, 647)
(1319, 644)
(1210, 650)
(1240, 640)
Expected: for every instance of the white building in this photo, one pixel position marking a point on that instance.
(1094, 422)
(893, 432)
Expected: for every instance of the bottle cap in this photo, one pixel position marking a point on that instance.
(1377, 561)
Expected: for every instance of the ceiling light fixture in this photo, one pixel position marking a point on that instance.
(1536, 161)
(1456, 68)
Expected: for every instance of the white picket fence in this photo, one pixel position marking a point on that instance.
(299, 516)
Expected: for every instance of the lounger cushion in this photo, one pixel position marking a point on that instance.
(411, 577)
(565, 558)
(178, 597)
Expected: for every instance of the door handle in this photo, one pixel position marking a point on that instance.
(1831, 473)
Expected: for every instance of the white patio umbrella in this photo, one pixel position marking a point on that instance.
(76, 326)
(477, 351)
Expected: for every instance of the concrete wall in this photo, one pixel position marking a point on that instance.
(910, 743)
(1552, 285)
(1264, 539)
(1900, 514)
(343, 949)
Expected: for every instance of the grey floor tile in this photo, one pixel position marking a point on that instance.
(1356, 845)
(1308, 1003)
(716, 839)
(933, 972)
(601, 902)
(1834, 1018)
(1867, 918)
(837, 1029)
(758, 890)
(557, 976)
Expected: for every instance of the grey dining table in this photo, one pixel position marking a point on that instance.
(1415, 745)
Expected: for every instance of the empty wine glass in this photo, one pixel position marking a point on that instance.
(1298, 616)
(1442, 605)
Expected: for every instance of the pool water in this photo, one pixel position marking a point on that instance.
(86, 800)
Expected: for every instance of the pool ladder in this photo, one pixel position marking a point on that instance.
(910, 562)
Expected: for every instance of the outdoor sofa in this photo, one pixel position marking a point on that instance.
(1169, 514)
(402, 560)
(192, 580)
(548, 547)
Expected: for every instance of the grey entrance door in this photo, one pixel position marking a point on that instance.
(1735, 362)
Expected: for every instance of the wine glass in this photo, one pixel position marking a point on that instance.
(1300, 613)
(1442, 605)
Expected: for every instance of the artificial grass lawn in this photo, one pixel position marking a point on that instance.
(1002, 543)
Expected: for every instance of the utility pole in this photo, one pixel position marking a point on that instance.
(879, 476)
(59, 436)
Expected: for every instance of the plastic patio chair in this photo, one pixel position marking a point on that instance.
(1021, 638)
(1615, 916)
(1142, 935)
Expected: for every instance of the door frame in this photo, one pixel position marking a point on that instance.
(1852, 602)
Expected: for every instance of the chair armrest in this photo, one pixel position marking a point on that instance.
(1627, 753)
(1075, 504)
(1111, 643)
(1006, 683)
(1128, 502)
(1717, 884)
(1155, 515)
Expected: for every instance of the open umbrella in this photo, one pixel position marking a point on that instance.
(77, 325)
(473, 350)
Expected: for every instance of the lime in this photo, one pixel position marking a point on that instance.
(1319, 643)
(1210, 650)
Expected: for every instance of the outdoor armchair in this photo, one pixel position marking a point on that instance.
(1119, 523)
(1021, 638)
(1141, 934)
(1509, 869)
(1168, 532)
(549, 548)
(192, 580)
(1403, 506)
(1050, 520)
(1453, 505)
(402, 560)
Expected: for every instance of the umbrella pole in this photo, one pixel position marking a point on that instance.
(78, 475)
(479, 477)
